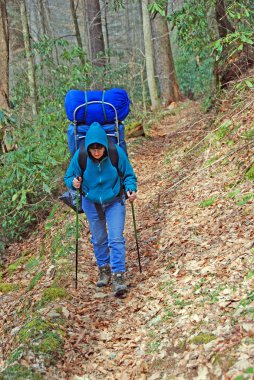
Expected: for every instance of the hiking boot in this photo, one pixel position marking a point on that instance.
(119, 286)
(104, 275)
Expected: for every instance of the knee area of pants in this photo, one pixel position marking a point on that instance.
(101, 241)
(116, 240)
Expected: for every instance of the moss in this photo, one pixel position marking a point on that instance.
(43, 339)
(203, 338)
(51, 344)
(19, 372)
(52, 294)
(33, 329)
(17, 264)
(6, 288)
(132, 125)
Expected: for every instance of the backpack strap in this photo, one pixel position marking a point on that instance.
(113, 154)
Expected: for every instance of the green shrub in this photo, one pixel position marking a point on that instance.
(244, 199)
(33, 169)
(35, 280)
(223, 129)
(208, 202)
(250, 173)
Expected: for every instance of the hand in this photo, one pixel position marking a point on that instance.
(77, 182)
(131, 195)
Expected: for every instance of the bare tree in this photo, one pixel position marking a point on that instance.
(153, 91)
(39, 20)
(4, 57)
(29, 57)
(76, 26)
(165, 68)
(96, 42)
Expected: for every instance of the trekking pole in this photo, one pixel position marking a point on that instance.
(136, 235)
(77, 236)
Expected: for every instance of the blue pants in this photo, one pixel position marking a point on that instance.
(107, 233)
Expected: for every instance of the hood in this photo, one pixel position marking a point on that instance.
(96, 134)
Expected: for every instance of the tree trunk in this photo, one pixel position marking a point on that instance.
(165, 68)
(153, 91)
(4, 57)
(223, 23)
(29, 57)
(96, 41)
(77, 31)
(38, 15)
(104, 7)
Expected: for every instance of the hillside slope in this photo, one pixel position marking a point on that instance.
(189, 314)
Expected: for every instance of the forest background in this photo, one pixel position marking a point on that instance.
(159, 51)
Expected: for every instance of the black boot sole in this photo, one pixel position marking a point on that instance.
(120, 293)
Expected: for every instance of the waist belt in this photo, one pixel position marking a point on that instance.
(99, 208)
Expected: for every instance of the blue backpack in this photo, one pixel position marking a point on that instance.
(109, 108)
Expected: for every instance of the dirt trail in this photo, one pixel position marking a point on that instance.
(114, 346)
(184, 316)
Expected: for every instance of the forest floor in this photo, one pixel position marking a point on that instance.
(189, 314)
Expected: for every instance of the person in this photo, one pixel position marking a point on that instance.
(104, 186)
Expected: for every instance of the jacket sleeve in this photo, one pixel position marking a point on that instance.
(73, 171)
(124, 165)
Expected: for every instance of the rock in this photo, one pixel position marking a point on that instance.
(51, 271)
(155, 376)
(15, 330)
(203, 373)
(248, 327)
(100, 295)
(65, 312)
(53, 314)
(243, 364)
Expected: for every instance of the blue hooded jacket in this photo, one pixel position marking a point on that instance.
(101, 182)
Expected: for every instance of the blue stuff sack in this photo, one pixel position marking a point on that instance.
(98, 112)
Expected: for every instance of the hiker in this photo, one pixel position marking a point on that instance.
(103, 202)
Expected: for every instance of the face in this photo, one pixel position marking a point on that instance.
(97, 153)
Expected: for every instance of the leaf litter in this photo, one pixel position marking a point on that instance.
(189, 314)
